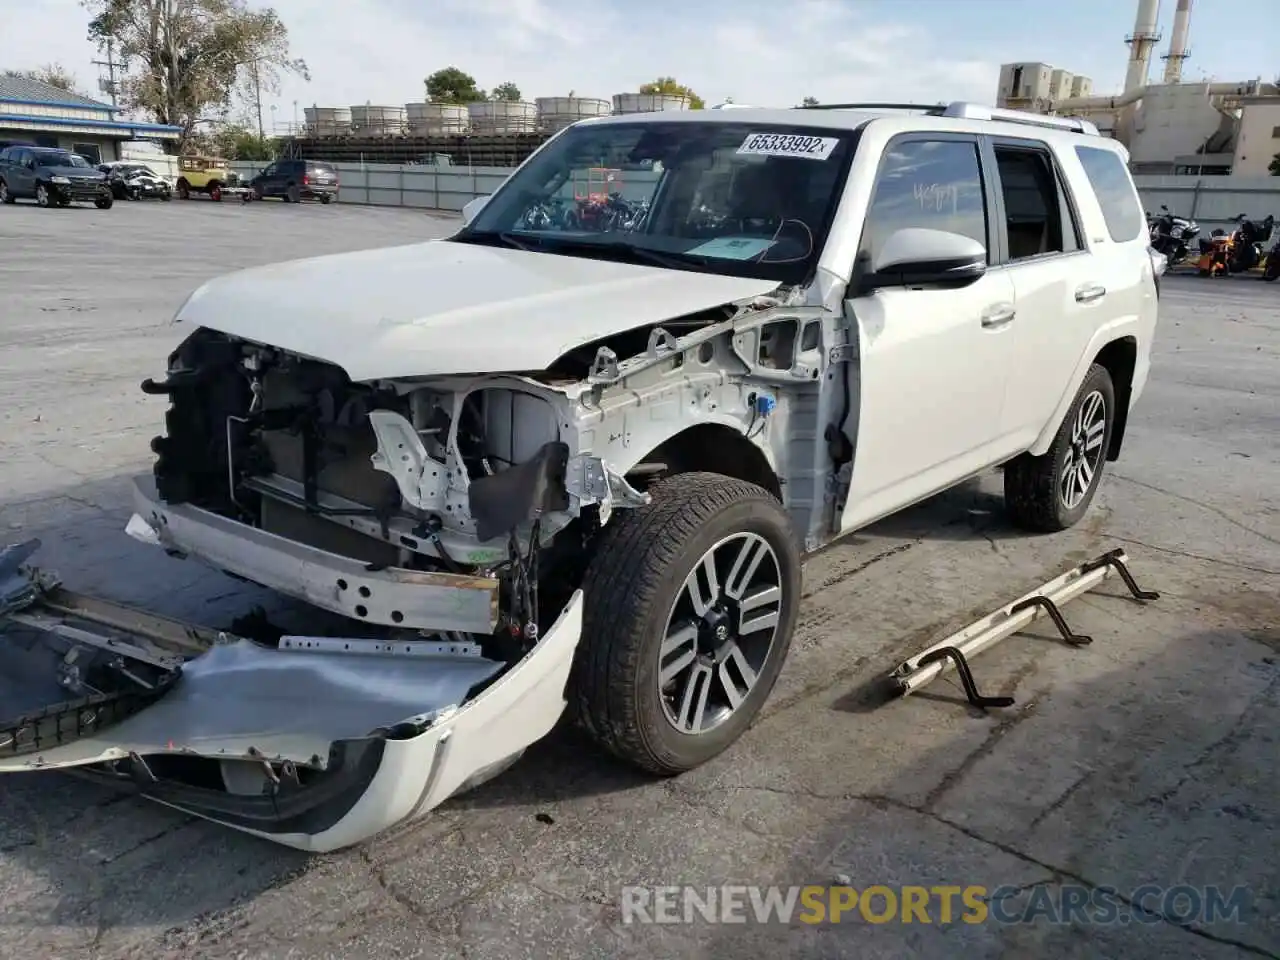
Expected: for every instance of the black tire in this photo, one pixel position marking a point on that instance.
(1270, 273)
(632, 586)
(325, 199)
(184, 190)
(44, 198)
(105, 203)
(293, 194)
(5, 195)
(1034, 486)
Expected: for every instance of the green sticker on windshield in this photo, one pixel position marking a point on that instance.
(732, 248)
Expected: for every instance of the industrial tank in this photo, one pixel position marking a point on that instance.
(436, 119)
(328, 121)
(556, 113)
(648, 102)
(502, 117)
(371, 121)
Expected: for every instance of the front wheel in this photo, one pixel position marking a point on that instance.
(691, 602)
(43, 198)
(1273, 266)
(104, 203)
(1052, 492)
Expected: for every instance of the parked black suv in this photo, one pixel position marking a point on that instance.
(52, 177)
(296, 180)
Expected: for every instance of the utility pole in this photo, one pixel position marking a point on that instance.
(110, 63)
(257, 99)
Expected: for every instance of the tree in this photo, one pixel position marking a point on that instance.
(505, 91)
(237, 141)
(809, 102)
(667, 86)
(188, 59)
(54, 74)
(1274, 168)
(451, 85)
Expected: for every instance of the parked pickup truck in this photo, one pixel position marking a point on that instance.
(52, 177)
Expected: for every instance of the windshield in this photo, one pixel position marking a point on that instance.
(60, 160)
(731, 198)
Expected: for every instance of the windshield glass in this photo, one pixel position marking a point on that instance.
(60, 160)
(732, 198)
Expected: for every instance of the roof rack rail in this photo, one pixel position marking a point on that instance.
(977, 111)
(931, 108)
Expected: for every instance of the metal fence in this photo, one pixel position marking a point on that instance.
(1213, 201)
(406, 185)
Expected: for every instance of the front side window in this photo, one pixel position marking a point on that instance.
(730, 198)
(1115, 192)
(930, 184)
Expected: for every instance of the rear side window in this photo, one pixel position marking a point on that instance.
(1115, 191)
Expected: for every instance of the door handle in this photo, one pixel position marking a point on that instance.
(1090, 292)
(998, 315)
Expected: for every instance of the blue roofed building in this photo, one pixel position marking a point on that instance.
(42, 115)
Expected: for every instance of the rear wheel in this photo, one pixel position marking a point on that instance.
(690, 606)
(1053, 492)
(325, 199)
(184, 190)
(1271, 271)
(5, 195)
(215, 192)
(294, 195)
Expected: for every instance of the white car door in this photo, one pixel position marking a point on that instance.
(933, 364)
(1062, 291)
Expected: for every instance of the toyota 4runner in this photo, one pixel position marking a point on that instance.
(573, 455)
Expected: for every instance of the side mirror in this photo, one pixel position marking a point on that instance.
(472, 208)
(917, 256)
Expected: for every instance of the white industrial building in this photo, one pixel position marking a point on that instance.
(1169, 127)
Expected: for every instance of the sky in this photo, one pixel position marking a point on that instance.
(765, 52)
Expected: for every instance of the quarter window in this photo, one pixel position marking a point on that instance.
(1115, 192)
(1033, 210)
(935, 184)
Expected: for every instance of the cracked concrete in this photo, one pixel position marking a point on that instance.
(1148, 757)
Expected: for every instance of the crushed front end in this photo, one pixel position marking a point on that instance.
(420, 510)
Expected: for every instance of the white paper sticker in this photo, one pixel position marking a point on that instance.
(788, 145)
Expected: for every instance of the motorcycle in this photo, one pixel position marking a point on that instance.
(1247, 242)
(1272, 268)
(1215, 254)
(1172, 235)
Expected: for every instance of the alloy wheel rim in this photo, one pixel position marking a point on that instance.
(1084, 455)
(719, 633)
(42, 196)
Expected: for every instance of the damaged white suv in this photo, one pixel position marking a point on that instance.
(574, 454)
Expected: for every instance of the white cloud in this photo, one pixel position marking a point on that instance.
(380, 51)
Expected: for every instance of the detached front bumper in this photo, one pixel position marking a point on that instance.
(317, 744)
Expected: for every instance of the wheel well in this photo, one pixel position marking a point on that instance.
(1120, 357)
(716, 449)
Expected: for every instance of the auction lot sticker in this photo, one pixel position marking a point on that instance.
(788, 145)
